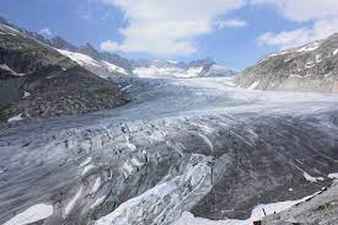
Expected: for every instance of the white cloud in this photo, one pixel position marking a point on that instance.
(301, 36)
(110, 46)
(221, 24)
(304, 10)
(320, 19)
(46, 32)
(168, 27)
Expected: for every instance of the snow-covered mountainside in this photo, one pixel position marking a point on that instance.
(313, 67)
(170, 68)
(102, 68)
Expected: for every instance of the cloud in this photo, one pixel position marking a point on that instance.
(46, 32)
(110, 46)
(221, 24)
(304, 10)
(317, 19)
(320, 30)
(168, 27)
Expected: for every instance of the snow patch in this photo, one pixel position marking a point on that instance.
(96, 185)
(127, 169)
(335, 52)
(33, 214)
(80, 58)
(87, 169)
(86, 162)
(310, 47)
(71, 204)
(113, 68)
(333, 176)
(172, 71)
(98, 202)
(207, 141)
(254, 85)
(15, 118)
(26, 94)
(257, 214)
(312, 179)
(7, 68)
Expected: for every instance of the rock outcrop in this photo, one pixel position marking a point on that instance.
(313, 67)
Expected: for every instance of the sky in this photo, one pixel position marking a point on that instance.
(236, 33)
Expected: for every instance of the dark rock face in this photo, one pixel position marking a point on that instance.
(60, 43)
(37, 81)
(67, 92)
(313, 67)
(320, 209)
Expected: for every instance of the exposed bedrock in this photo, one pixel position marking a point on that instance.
(149, 172)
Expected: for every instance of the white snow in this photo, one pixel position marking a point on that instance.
(15, 118)
(136, 162)
(158, 191)
(127, 169)
(80, 58)
(335, 52)
(7, 68)
(26, 94)
(96, 185)
(296, 76)
(71, 204)
(33, 214)
(254, 85)
(333, 176)
(126, 87)
(310, 47)
(86, 162)
(131, 146)
(85, 60)
(98, 202)
(310, 65)
(194, 71)
(87, 169)
(113, 68)
(318, 58)
(207, 141)
(312, 179)
(172, 71)
(257, 214)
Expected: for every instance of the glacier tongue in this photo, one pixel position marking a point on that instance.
(181, 145)
(165, 202)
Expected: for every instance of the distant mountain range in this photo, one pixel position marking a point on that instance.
(312, 67)
(170, 68)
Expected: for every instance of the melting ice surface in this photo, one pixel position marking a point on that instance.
(256, 214)
(33, 214)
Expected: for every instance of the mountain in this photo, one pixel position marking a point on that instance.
(170, 68)
(39, 82)
(103, 64)
(312, 67)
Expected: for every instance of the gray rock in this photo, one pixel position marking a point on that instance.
(313, 67)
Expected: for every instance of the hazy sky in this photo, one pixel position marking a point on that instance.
(234, 32)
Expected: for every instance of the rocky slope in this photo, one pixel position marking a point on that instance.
(313, 67)
(37, 81)
(321, 209)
